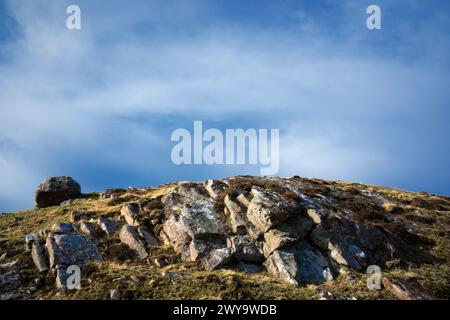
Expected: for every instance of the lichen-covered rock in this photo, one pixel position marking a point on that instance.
(244, 249)
(68, 249)
(38, 256)
(201, 248)
(286, 234)
(131, 214)
(108, 226)
(215, 188)
(129, 236)
(177, 237)
(52, 191)
(63, 228)
(199, 220)
(267, 209)
(301, 264)
(236, 216)
(89, 228)
(149, 238)
(217, 258)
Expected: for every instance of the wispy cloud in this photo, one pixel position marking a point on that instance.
(100, 104)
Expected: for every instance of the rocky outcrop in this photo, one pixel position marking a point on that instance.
(297, 230)
(52, 191)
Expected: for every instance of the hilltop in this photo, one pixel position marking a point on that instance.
(237, 238)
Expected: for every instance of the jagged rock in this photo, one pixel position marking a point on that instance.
(215, 188)
(301, 264)
(275, 239)
(9, 279)
(131, 214)
(89, 228)
(39, 257)
(52, 191)
(175, 200)
(200, 221)
(129, 236)
(77, 215)
(236, 216)
(243, 199)
(115, 294)
(286, 234)
(71, 250)
(342, 253)
(348, 255)
(176, 236)
(217, 258)
(267, 209)
(108, 226)
(313, 208)
(200, 248)
(244, 249)
(30, 239)
(149, 238)
(63, 228)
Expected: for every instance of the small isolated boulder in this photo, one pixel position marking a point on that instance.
(52, 191)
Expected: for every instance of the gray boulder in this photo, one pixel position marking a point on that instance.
(200, 221)
(108, 226)
(52, 191)
(68, 249)
(217, 258)
(129, 236)
(297, 265)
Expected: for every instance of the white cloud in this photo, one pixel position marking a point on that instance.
(76, 91)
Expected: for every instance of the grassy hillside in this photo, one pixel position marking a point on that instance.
(428, 215)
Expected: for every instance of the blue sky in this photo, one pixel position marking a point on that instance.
(100, 104)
